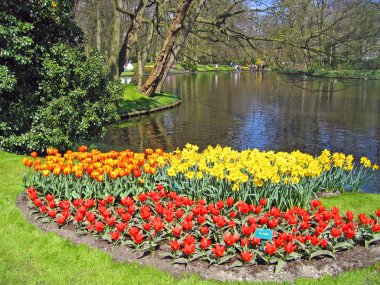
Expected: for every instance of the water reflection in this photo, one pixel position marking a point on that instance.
(257, 110)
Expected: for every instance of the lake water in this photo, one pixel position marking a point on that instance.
(264, 111)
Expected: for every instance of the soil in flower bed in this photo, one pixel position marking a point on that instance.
(345, 260)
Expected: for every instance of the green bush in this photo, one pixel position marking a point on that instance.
(52, 95)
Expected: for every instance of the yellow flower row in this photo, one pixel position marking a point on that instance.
(224, 163)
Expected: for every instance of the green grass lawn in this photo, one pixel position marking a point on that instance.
(28, 256)
(136, 101)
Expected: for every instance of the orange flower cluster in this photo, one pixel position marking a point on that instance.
(98, 164)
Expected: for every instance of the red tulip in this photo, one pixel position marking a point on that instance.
(110, 198)
(187, 225)
(232, 224)
(121, 226)
(89, 203)
(263, 219)
(218, 250)
(64, 205)
(188, 249)
(61, 220)
(77, 202)
(43, 209)
(49, 197)
(78, 217)
(263, 202)
(133, 231)
(175, 245)
(201, 219)
(244, 242)
(138, 238)
(179, 213)
(230, 202)
(270, 248)
(37, 202)
(378, 213)
(205, 242)
(131, 209)
(126, 217)
(111, 221)
(52, 213)
(142, 197)
(90, 216)
(275, 212)
(177, 231)
(335, 232)
(127, 201)
(160, 187)
(252, 220)
(99, 226)
(350, 233)
(350, 215)
(204, 230)
(273, 223)
(115, 235)
(315, 203)
(220, 221)
(137, 172)
(246, 230)
(169, 216)
(289, 247)
(256, 241)
(230, 239)
(146, 226)
(157, 224)
(246, 256)
(189, 239)
(376, 228)
(220, 205)
(324, 243)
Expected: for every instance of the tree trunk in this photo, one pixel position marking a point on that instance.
(142, 53)
(131, 37)
(113, 59)
(98, 27)
(177, 34)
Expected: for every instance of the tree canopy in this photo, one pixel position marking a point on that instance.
(51, 93)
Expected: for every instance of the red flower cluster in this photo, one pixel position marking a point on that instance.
(212, 231)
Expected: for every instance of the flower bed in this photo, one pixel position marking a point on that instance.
(221, 232)
(286, 180)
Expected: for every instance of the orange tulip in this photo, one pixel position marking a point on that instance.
(82, 148)
(57, 170)
(27, 162)
(34, 154)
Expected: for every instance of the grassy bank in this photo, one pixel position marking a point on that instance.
(136, 101)
(28, 256)
(340, 74)
(177, 68)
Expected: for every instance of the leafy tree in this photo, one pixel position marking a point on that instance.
(51, 94)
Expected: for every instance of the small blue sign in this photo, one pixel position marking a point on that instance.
(264, 234)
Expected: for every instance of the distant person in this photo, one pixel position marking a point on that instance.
(263, 66)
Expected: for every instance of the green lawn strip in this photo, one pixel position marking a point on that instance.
(358, 202)
(29, 256)
(339, 74)
(134, 100)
